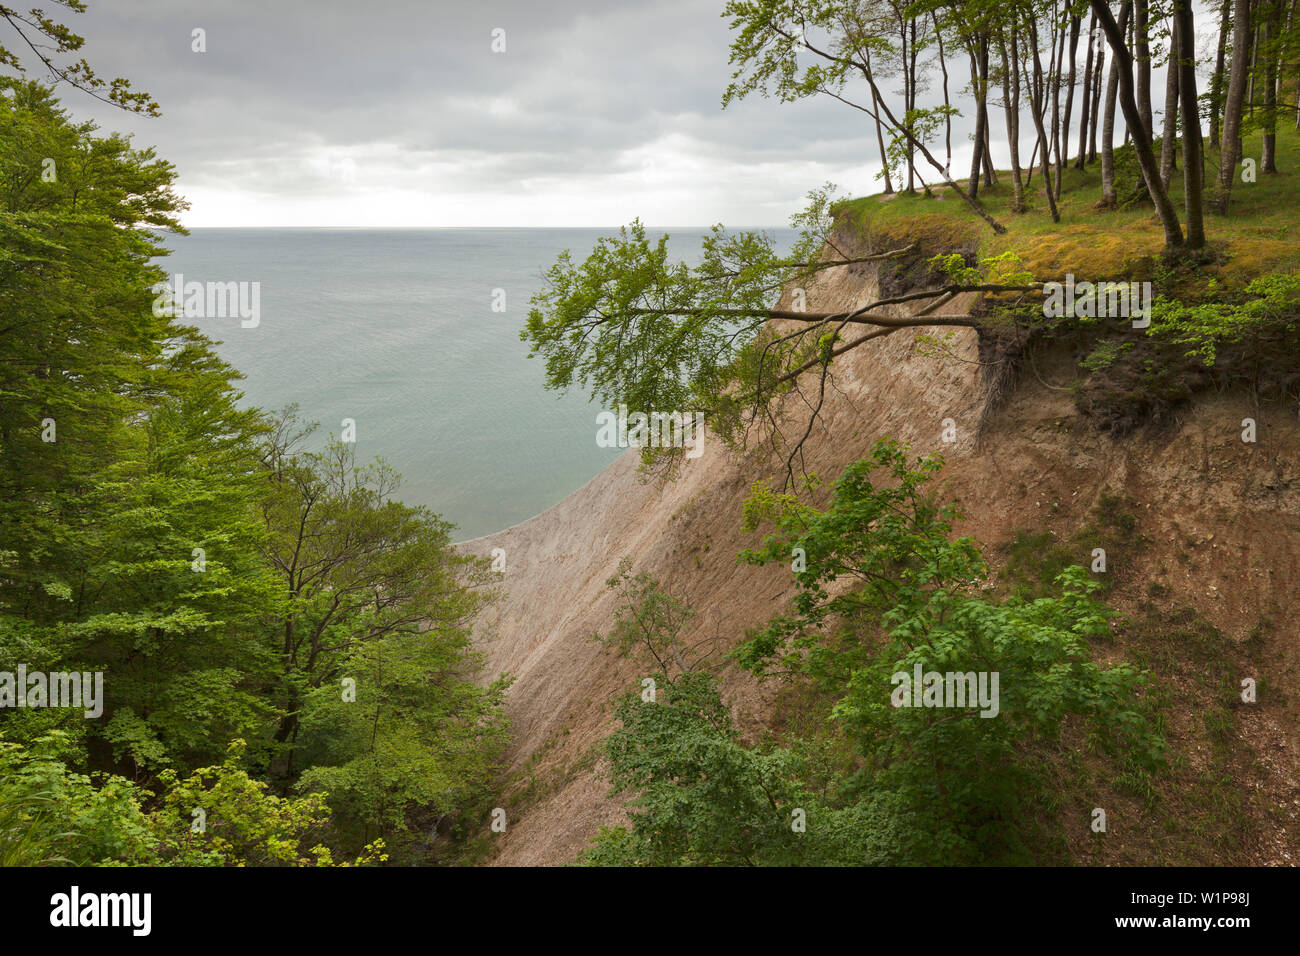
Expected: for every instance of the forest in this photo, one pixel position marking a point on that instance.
(285, 649)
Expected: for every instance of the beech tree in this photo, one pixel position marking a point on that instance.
(887, 589)
(1108, 197)
(1038, 86)
(50, 42)
(1272, 44)
(1192, 166)
(1085, 101)
(1169, 136)
(1011, 104)
(1216, 79)
(1063, 154)
(840, 38)
(1122, 62)
(358, 567)
(634, 328)
(1230, 148)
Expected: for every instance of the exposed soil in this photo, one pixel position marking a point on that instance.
(1216, 532)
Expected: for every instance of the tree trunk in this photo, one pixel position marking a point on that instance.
(1069, 102)
(1282, 61)
(1128, 133)
(1085, 98)
(1141, 141)
(1254, 54)
(1272, 27)
(979, 77)
(1216, 81)
(1192, 168)
(1142, 48)
(1288, 38)
(884, 158)
(907, 98)
(1108, 198)
(1011, 100)
(1099, 69)
(1056, 109)
(1037, 108)
(880, 136)
(1230, 150)
(910, 67)
(990, 174)
(1169, 138)
(975, 205)
(947, 120)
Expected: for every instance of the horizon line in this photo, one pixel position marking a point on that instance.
(593, 226)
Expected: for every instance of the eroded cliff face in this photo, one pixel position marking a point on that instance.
(1218, 523)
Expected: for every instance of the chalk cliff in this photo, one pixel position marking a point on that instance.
(1217, 530)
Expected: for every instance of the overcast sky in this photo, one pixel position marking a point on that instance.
(398, 113)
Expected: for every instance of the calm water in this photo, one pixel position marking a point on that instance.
(395, 329)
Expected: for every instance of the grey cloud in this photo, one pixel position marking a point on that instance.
(581, 85)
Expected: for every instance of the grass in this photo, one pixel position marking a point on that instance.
(1202, 809)
(1197, 812)
(1033, 559)
(1125, 381)
(1106, 244)
(1203, 815)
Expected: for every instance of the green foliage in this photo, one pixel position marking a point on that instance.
(49, 40)
(1104, 354)
(1130, 186)
(634, 328)
(907, 551)
(53, 815)
(649, 622)
(25, 830)
(124, 451)
(376, 596)
(883, 589)
(704, 798)
(420, 743)
(220, 578)
(1006, 268)
(214, 816)
(768, 37)
(884, 578)
(628, 284)
(1271, 303)
(241, 822)
(920, 125)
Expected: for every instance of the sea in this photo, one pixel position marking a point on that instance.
(413, 335)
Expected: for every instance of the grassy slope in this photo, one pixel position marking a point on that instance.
(1257, 236)
(1206, 809)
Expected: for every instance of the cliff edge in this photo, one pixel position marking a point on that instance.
(1215, 534)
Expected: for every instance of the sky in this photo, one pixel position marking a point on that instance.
(400, 113)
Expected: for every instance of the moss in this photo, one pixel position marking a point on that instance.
(1200, 811)
(1096, 243)
(1104, 354)
(1033, 559)
(1129, 379)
